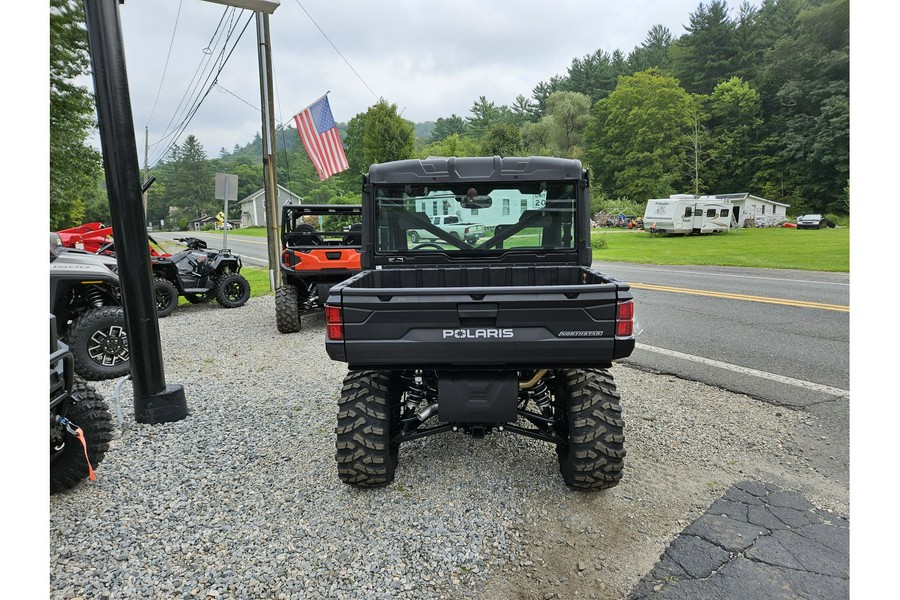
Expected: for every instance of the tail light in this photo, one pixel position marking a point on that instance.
(625, 319)
(467, 230)
(334, 322)
(290, 259)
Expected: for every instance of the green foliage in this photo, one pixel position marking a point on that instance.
(387, 136)
(484, 116)
(523, 110)
(452, 145)
(539, 94)
(569, 113)
(538, 138)
(502, 140)
(735, 117)
(636, 138)
(593, 76)
(191, 187)
(653, 52)
(75, 167)
(353, 144)
(707, 55)
(838, 220)
(804, 86)
(445, 127)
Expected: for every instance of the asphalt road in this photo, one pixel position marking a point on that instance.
(782, 328)
(252, 250)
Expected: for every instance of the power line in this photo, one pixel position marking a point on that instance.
(336, 50)
(194, 82)
(166, 66)
(193, 111)
(278, 124)
(198, 78)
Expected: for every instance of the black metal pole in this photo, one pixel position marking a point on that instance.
(154, 400)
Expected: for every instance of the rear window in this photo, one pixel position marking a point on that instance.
(486, 217)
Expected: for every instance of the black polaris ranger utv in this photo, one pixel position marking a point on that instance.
(512, 331)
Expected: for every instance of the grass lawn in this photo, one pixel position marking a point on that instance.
(259, 280)
(248, 231)
(768, 248)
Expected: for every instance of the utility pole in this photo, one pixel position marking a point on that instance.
(263, 9)
(266, 88)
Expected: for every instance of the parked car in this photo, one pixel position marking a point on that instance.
(812, 222)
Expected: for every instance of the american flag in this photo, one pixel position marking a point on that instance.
(319, 134)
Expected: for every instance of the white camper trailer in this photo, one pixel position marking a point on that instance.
(687, 215)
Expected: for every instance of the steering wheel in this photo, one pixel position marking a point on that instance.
(428, 245)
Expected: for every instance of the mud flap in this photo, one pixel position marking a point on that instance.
(477, 396)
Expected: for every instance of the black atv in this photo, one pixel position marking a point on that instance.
(87, 301)
(198, 274)
(80, 423)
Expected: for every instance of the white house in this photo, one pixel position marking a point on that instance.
(507, 206)
(253, 207)
(759, 210)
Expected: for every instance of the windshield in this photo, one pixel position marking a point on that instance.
(482, 217)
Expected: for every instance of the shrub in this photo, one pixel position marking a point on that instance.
(598, 242)
(839, 220)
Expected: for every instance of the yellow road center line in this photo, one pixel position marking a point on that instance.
(744, 297)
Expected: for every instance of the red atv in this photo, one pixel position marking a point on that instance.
(97, 238)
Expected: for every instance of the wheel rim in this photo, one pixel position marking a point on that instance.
(109, 346)
(163, 298)
(234, 290)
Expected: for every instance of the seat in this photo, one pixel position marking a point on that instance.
(304, 235)
(354, 236)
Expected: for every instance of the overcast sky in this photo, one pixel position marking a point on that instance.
(431, 59)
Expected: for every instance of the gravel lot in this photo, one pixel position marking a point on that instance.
(241, 499)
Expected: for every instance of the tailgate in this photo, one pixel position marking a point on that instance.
(548, 326)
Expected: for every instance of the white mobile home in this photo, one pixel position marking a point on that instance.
(687, 215)
(755, 211)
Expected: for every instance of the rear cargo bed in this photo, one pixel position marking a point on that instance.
(477, 277)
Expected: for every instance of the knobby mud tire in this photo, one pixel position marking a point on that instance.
(590, 415)
(368, 411)
(166, 296)
(90, 412)
(287, 309)
(232, 290)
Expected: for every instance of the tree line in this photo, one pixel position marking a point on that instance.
(753, 102)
